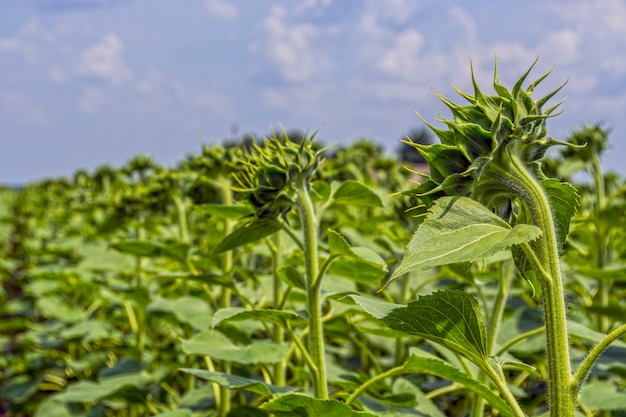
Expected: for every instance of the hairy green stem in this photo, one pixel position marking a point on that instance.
(604, 287)
(279, 333)
(227, 267)
(314, 284)
(562, 402)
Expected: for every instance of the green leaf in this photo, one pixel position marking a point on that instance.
(338, 245)
(188, 309)
(449, 317)
(613, 311)
(459, 229)
(377, 308)
(563, 199)
(433, 366)
(582, 332)
(55, 308)
(292, 276)
(353, 193)
(603, 395)
(176, 413)
(236, 382)
(218, 346)
(225, 211)
(250, 232)
(358, 270)
(300, 405)
(175, 251)
(240, 314)
(88, 391)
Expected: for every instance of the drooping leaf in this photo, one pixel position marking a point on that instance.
(225, 211)
(353, 193)
(300, 405)
(377, 308)
(292, 276)
(176, 413)
(250, 232)
(241, 314)
(175, 251)
(563, 199)
(459, 229)
(218, 346)
(236, 382)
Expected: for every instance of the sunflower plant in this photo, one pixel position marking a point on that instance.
(486, 193)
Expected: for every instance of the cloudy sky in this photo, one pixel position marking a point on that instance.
(88, 82)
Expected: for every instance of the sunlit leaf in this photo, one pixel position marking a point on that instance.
(353, 193)
(459, 229)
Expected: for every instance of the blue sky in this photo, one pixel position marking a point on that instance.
(88, 82)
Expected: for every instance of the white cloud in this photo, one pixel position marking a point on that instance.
(394, 11)
(104, 60)
(91, 100)
(402, 60)
(291, 47)
(222, 9)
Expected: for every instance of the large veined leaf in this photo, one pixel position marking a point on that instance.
(449, 317)
(459, 229)
(353, 193)
(236, 382)
(300, 405)
(218, 346)
(250, 232)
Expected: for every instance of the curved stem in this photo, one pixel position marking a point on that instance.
(587, 364)
(394, 371)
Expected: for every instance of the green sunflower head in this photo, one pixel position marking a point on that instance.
(485, 135)
(274, 170)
